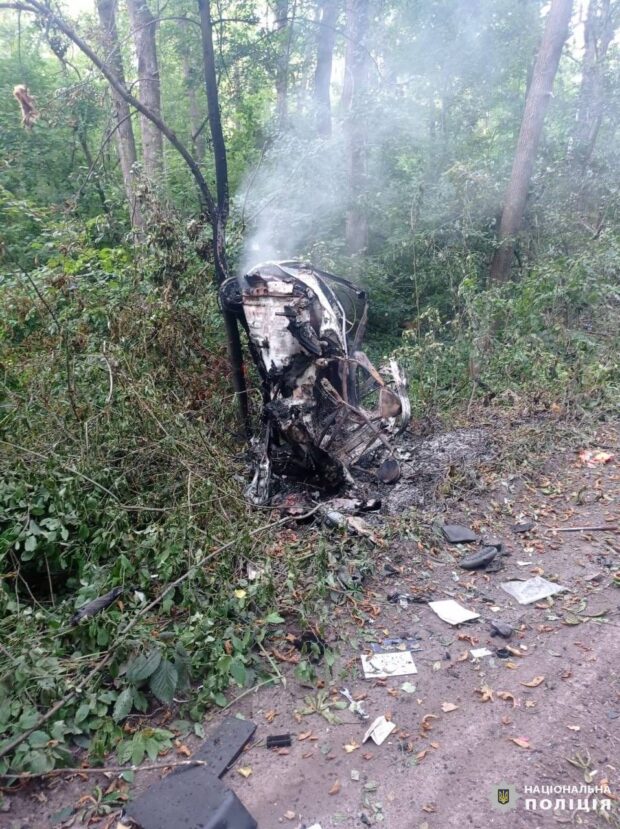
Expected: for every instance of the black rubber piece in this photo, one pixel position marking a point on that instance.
(278, 740)
(480, 559)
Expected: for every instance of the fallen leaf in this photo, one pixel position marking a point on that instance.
(462, 656)
(304, 735)
(244, 771)
(349, 747)
(594, 457)
(534, 683)
(511, 665)
(467, 637)
(367, 755)
(335, 787)
(446, 707)
(307, 754)
(429, 807)
(184, 750)
(435, 745)
(529, 703)
(426, 725)
(271, 715)
(421, 754)
(283, 752)
(486, 694)
(508, 696)
(522, 742)
(290, 815)
(506, 720)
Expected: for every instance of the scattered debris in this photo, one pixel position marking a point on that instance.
(523, 527)
(452, 612)
(458, 534)
(278, 740)
(502, 629)
(479, 653)
(379, 730)
(595, 457)
(194, 796)
(316, 382)
(480, 559)
(91, 609)
(355, 706)
(396, 644)
(389, 471)
(531, 590)
(383, 665)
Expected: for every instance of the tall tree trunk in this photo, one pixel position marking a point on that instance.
(123, 134)
(323, 73)
(598, 34)
(196, 120)
(284, 40)
(353, 97)
(220, 217)
(144, 28)
(536, 104)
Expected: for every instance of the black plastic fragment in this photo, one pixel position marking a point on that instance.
(278, 740)
(457, 534)
(523, 527)
(502, 653)
(502, 629)
(193, 797)
(312, 644)
(91, 609)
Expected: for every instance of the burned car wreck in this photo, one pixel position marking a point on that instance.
(323, 400)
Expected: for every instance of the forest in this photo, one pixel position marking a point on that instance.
(457, 160)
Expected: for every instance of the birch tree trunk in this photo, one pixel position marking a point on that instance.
(144, 28)
(598, 34)
(323, 73)
(353, 95)
(123, 134)
(196, 117)
(536, 105)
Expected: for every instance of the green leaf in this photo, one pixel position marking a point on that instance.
(38, 739)
(143, 666)
(31, 544)
(238, 672)
(164, 681)
(274, 619)
(123, 705)
(38, 762)
(138, 747)
(82, 712)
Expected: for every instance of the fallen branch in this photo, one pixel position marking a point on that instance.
(32, 775)
(12, 744)
(612, 529)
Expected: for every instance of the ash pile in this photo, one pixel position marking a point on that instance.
(330, 419)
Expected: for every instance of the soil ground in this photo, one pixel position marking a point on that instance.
(515, 722)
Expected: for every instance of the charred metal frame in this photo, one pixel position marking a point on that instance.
(305, 327)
